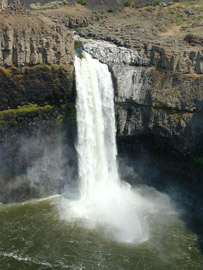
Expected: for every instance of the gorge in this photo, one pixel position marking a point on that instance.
(57, 126)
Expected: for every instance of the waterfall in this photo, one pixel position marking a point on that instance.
(96, 144)
(105, 200)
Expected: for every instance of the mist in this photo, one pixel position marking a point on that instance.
(38, 165)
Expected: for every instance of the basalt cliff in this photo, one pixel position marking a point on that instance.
(157, 71)
(154, 102)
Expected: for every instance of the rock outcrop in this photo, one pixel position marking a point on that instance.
(36, 95)
(36, 62)
(31, 40)
(153, 103)
(185, 61)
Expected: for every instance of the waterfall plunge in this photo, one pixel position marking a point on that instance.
(105, 200)
(96, 145)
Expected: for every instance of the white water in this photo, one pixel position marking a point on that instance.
(105, 200)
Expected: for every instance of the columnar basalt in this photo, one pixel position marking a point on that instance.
(31, 40)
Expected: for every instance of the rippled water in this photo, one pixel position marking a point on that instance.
(33, 236)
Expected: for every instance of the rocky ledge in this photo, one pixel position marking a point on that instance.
(148, 54)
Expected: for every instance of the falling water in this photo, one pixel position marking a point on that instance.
(96, 126)
(105, 200)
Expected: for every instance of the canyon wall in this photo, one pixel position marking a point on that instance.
(36, 68)
(155, 105)
(31, 40)
(37, 105)
(158, 99)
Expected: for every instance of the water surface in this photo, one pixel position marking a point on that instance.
(33, 236)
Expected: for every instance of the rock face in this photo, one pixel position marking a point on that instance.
(152, 103)
(37, 96)
(184, 62)
(108, 52)
(41, 84)
(36, 62)
(31, 40)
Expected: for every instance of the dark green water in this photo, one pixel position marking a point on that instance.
(32, 236)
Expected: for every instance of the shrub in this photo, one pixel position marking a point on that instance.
(127, 3)
(111, 10)
(101, 2)
(81, 2)
(101, 11)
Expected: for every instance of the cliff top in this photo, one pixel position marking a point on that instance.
(174, 27)
(23, 23)
(177, 26)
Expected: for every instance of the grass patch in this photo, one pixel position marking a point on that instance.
(14, 114)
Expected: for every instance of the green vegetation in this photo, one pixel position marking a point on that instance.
(148, 4)
(135, 64)
(127, 3)
(110, 10)
(81, 2)
(178, 22)
(89, 37)
(101, 11)
(155, 3)
(51, 5)
(14, 114)
(101, 2)
(71, 107)
(153, 110)
(70, 112)
(60, 119)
